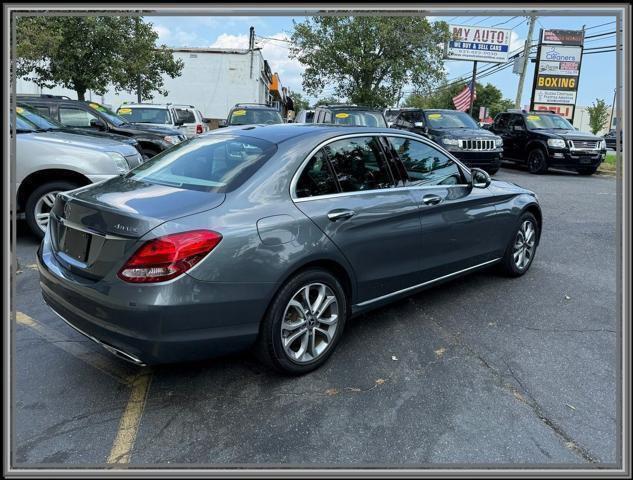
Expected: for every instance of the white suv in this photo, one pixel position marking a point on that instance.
(185, 118)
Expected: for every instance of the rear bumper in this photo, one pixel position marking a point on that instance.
(149, 324)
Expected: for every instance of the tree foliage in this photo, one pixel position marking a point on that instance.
(487, 96)
(330, 100)
(368, 59)
(598, 115)
(299, 101)
(90, 53)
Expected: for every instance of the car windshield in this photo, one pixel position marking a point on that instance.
(359, 118)
(542, 122)
(450, 119)
(254, 116)
(145, 115)
(112, 117)
(217, 163)
(22, 125)
(40, 121)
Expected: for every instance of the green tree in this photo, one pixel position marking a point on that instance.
(331, 100)
(299, 101)
(487, 96)
(368, 59)
(598, 115)
(90, 53)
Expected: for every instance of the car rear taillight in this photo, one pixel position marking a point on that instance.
(167, 257)
(199, 128)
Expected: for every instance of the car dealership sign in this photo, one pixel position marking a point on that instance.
(481, 44)
(557, 71)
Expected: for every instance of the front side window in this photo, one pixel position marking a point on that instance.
(219, 163)
(358, 164)
(74, 117)
(424, 164)
(317, 178)
(145, 115)
(254, 116)
(501, 122)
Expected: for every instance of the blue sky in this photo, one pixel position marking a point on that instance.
(597, 78)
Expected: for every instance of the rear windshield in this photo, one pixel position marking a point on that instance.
(254, 116)
(216, 163)
(145, 115)
(358, 118)
(42, 122)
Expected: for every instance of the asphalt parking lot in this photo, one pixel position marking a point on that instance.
(484, 370)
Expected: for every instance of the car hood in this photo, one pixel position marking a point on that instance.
(111, 136)
(463, 133)
(83, 141)
(143, 127)
(569, 134)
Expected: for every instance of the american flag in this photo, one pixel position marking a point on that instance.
(462, 99)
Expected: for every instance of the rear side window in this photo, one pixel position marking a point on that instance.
(317, 178)
(74, 117)
(358, 164)
(187, 116)
(424, 164)
(219, 163)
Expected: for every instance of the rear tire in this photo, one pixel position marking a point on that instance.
(587, 171)
(40, 202)
(537, 163)
(521, 248)
(287, 318)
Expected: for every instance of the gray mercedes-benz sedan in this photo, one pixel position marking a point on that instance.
(275, 236)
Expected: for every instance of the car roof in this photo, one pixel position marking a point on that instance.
(253, 106)
(281, 132)
(350, 107)
(155, 105)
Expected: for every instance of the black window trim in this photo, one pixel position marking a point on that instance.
(295, 178)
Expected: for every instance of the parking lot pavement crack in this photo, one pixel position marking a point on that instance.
(563, 330)
(522, 394)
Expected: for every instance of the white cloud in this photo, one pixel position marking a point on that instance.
(516, 42)
(275, 51)
(163, 34)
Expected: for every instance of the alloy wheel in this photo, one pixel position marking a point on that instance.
(524, 244)
(43, 208)
(309, 323)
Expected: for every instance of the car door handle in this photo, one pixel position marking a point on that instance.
(431, 199)
(340, 214)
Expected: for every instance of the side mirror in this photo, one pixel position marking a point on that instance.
(479, 178)
(97, 123)
(518, 128)
(222, 124)
(418, 124)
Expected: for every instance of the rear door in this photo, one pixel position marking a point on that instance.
(457, 221)
(348, 190)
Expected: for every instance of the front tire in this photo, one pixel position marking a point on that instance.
(537, 163)
(522, 247)
(304, 323)
(40, 202)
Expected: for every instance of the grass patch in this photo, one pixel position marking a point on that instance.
(608, 165)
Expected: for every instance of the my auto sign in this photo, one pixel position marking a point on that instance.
(482, 44)
(557, 71)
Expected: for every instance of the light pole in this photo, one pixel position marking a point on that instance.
(526, 57)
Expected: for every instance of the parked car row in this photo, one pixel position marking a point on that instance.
(537, 139)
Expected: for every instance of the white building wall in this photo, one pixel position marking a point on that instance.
(581, 120)
(212, 81)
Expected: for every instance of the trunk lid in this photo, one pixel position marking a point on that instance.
(95, 229)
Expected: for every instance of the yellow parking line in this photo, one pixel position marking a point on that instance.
(76, 349)
(130, 421)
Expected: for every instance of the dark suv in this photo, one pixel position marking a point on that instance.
(352, 115)
(82, 115)
(252, 114)
(457, 132)
(545, 139)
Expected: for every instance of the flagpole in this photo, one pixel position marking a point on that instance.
(472, 88)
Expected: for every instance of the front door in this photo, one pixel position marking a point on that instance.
(457, 220)
(348, 190)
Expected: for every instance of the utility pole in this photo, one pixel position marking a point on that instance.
(251, 46)
(526, 58)
(612, 108)
(139, 79)
(472, 88)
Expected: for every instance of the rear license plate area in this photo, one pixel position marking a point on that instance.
(76, 244)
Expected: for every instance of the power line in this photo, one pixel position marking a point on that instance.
(601, 25)
(503, 23)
